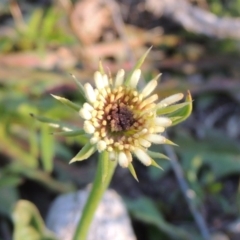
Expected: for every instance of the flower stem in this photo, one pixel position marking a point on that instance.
(105, 170)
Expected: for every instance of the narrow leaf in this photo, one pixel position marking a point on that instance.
(156, 165)
(137, 66)
(153, 154)
(80, 86)
(16, 152)
(33, 142)
(43, 119)
(34, 23)
(70, 133)
(67, 102)
(49, 22)
(50, 122)
(132, 171)
(47, 148)
(84, 153)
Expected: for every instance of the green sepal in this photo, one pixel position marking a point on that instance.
(167, 141)
(87, 150)
(43, 119)
(132, 171)
(104, 158)
(137, 66)
(153, 163)
(172, 108)
(70, 133)
(174, 119)
(157, 78)
(100, 67)
(50, 122)
(184, 112)
(80, 86)
(157, 155)
(67, 102)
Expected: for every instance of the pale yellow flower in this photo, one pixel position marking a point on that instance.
(123, 121)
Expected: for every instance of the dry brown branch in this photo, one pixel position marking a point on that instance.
(188, 193)
(120, 27)
(17, 15)
(195, 19)
(89, 19)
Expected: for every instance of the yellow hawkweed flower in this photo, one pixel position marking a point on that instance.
(122, 120)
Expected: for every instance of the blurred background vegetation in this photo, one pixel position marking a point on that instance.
(42, 41)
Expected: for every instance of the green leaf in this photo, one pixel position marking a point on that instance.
(137, 66)
(44, 119)
(172, 108)
(9, 180)
(146, 211)
(47, 148)
(17, 153)
(28, 223)
(216, 150)
(84, 153)
(41, 177)
(68, 103)
(34, 24)
(70, 133)
(184, 112)
(51, 122)
(132, 171)
(33, 142)
(49, 22)
(80, 86)
(8, 198)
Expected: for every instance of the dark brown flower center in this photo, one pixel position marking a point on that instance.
(121, 118)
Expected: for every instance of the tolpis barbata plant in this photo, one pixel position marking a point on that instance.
(120, 121)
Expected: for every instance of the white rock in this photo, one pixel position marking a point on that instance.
(219, 236)
(233, 230)
(111, 221)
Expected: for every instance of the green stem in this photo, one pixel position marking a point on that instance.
(105, 170)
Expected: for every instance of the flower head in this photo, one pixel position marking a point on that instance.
(122, 120)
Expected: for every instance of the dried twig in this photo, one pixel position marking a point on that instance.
(187, 192)
(119, 25)
(195, 19)
(66, 4)
(17, 15)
